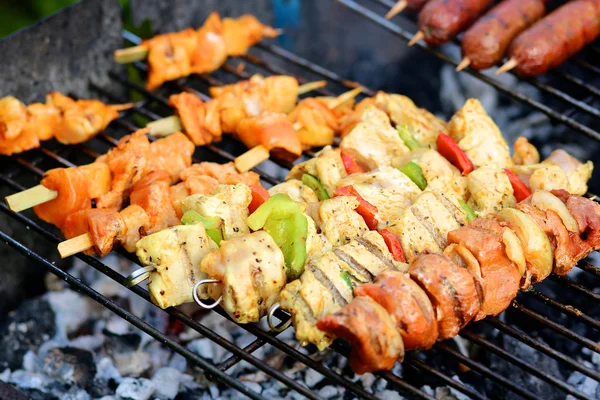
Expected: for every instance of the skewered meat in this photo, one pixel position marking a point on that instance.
(172, 154)
(315, 123)
(251, 269)
(326, 165)
(478, 136)
(153, 195)
(242, 33)
(201, 120)
(106, 227)
(373, 142)
(525, 152)
(137, 222)
(327, 282)
(556, 37)
(98, 178)
(423, 125)
(228, 202)
(176, 253)
(407, 304)
(274, 132)
(13, 114)
(386, 188)
(365, 321)
(490, 190)
(485, 42)
(441, 20)
(338, 221)
(297, 191)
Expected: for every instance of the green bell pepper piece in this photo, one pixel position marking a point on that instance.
(407, 137)
(415, 173)
(346, 277)
(281, 218)
(211, 224)
(468, 211)
(313, 183)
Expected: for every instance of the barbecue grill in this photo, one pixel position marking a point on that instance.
(560, 307)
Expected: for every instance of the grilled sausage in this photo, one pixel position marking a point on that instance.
(485, 43)
(441, 20)
(558, 36)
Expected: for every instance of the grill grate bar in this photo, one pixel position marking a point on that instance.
(132, 319)
(590, 268)
(482, 369)
(398, 31)
(542, 347)
(567, 309)
(533, 370)
(575, 286)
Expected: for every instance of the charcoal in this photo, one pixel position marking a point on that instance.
(71, 310)
(312, 377)
(135, 389)
(8, 392)
(25, 329)
(166, 381)
(76, 394)
(70, 365)
(99, 388)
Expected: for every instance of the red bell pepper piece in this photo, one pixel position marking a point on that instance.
(366, 210)
(520, 189)
(350, 164)
(451, 152)
(259, 196)
(393, 244)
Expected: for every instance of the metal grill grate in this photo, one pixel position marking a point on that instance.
(154, 105)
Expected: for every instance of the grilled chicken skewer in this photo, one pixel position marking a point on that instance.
(478, 275)
(178, 54)
(68, 121)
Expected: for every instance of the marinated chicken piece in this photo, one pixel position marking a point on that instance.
(234, 109)
(297, 191)
(386, 188)
(80, 120)
(200, 184)
(276, 94)
(351, 118)
(371, 331)
(327, 283)
(177, 193)
(137, 222)
(153, 195)
(373, 143)
(223, 173)
(525, 152)
(339, 222)
(315, 123)
(43, 119)
(26, 140)
(317, 244)
(490, 190)
(407, 304)
(451, 290)
(172, 154)
(424, 226)
(73, 195)
(13, 117)
(98, 178)
(210, 52)
(559, 171)
(441, 176)
(478, 136)
(170, 56)
(200, 120)
(274, 132)
(326, 165)
(176, 253)
(423, 126)
(501, 277)
(251, 269)
(127, 163)
(243, 32)
(106, 228)
(228, 202)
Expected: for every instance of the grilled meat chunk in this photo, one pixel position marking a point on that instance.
(176, 253)
(376, 343)
(525, 152)
(490, 190)
(153, 195)
(451, 290)
(297, 191)
(338, 221)
(172, 154)
(201, 120)
(326, 165)
(408, 305)
(251, 269)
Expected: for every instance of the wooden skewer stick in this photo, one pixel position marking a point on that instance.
(251, 158)
(165, 126)
(310, 86)
(397, 9)
(130, 54)
(510, 64)
(30, 198)
(122, 107)
(344, 97)
(418, 36)
(75, 245)
(464, 63)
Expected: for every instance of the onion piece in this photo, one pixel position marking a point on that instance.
(514, 249)
(545, 200)
(536, 245)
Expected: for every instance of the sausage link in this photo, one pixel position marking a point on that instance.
(485, 42)
(553, 39)
(441, 20)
